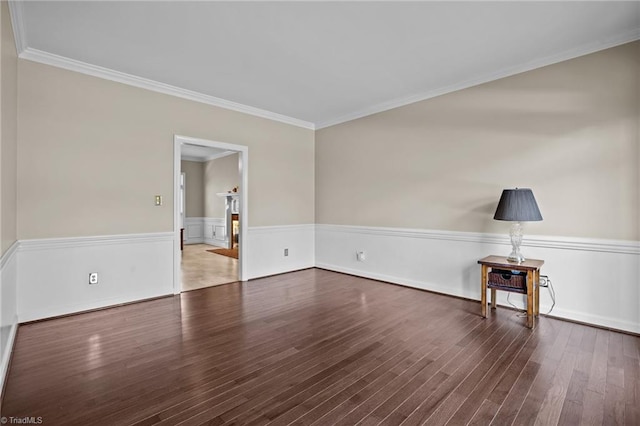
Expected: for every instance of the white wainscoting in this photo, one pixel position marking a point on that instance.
(54, 273)
(596, 281)
(194, 230)
(8, 309)
(215, 232)
(267, 244)
(207, 230)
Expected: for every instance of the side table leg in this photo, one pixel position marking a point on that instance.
(483, 291)
(530, 295)
(536, 283)
(493, 298)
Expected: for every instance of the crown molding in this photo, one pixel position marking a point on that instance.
(506, 72)
(35, 55)
(192, 158)
(17, 22)
(46, 58)
(207, 158)
(219, 155)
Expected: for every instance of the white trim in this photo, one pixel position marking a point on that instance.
(243, 151)
(189, 224)
(190, 158)
(208, 157)
(6, 355)
(46, 58)
(219, 155)
(73, 242)
(9, 255)
(16, 12)
(215, 222)
(203, 236)
(506, 72)
(9, 284)
(216, 243)
(35, 55)
(422, 285)
(554, 242)
(597, 320)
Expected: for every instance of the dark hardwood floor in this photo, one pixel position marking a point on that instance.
(316, 347)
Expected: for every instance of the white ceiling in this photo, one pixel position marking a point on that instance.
(316, 63)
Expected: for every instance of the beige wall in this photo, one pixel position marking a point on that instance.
(93, 153)
(8, 128)
(569, 131)
(220, 175)
(194, 197)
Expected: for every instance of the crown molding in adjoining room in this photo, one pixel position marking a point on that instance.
(17, 22)
(207, 158)
(46, 58)
(586, 49)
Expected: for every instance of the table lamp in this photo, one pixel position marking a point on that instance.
(517, 206)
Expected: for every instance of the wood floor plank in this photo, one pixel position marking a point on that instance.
(380, 394)
(555, 397)
(380, 375)
(543, 381)
(459, 397)
(318, 347)
(304, 406)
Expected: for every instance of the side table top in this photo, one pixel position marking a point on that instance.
(502, 262)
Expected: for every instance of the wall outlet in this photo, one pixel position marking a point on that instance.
(93, 278)
(286, 252)
(361, 256)
(544, 281)
(158, 200)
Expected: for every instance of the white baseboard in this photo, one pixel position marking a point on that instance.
(217, 243)
(8, 310)
(6, 353)
(595, 280)
(54, 273)
(267, 245)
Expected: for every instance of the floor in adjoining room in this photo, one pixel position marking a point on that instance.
(317, 347)
(201, 268)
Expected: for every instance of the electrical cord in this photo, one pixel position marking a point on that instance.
(521, 312)
(552, 293)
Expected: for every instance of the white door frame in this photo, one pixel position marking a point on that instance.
(243, 212)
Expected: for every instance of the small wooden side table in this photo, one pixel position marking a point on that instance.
(530, 266)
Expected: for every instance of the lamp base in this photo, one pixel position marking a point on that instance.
(516, 239)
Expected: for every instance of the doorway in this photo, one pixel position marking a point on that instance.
(210, 213)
